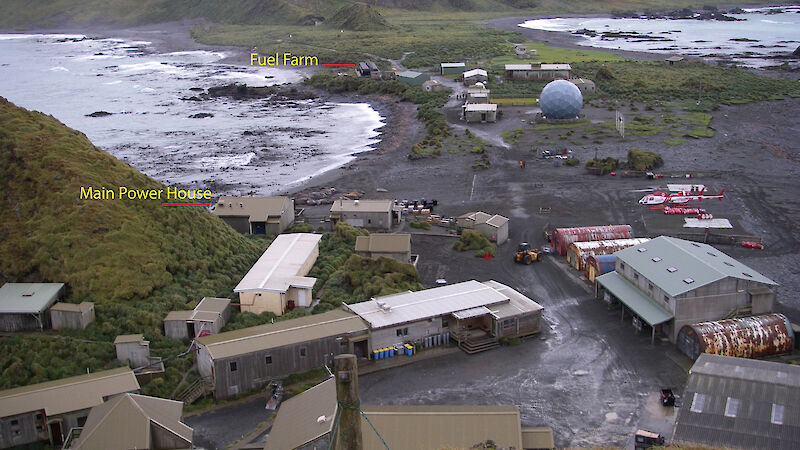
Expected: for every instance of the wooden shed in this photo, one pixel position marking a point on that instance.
(208, 317)
(71, 315)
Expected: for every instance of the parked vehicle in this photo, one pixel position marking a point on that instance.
(667, 397)
(274, 394)
(645, 439)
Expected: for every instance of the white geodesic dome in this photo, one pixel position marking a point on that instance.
(561, 99)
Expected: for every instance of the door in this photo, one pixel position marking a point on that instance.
(360, 349)
(56, 438)
(302, 297)
(259, 228)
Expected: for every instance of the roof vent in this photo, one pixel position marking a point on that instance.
(656, 259)
(641, 249)
(27, 294)
(711, 254)
(728, 264)
(688, 280)
(695, 244)
(671, 269)
(747, 274)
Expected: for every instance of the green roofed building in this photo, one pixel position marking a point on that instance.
(412, 78)
(23, 306)
(667, 283)
(452, 68)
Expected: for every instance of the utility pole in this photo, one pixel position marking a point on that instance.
(348, 434)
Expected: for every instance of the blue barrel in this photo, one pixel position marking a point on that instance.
(447, 338)
(382, 352)
(391, 353)
(438, 340)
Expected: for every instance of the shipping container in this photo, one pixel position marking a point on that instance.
(577, 252)
(748, 337)
(563, 237)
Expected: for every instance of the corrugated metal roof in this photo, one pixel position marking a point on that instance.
(412, 306)
(480, 107)
(430, 427)
(497, 221)
(208, 309)
(556, 67)
(694, 222)
(28, 298)
(279, 334)
(518, 67)
(67, 394)
(384, 243)
(453, 64)
(517, 304)
(409, 74)
(613, 243)
(213, 304)
(179, 316)
(297, 420)
(351, 206)
(701, 263)
(280, 265)
(125, 422)
(474, 72)
(634, 299)
(128, 338)
(478, 217)
(472, 312)
(257, 209)
(537, 437)
(758, 388)
(72, 307)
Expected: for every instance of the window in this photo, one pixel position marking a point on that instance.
(302, 352)
(81, 421)
(399, 332)
(405, 331)
(688, 280)
(14, 422)
(697, 402)
(444, 322)
(369, 220)
(268, 359)
(777, 414)
(666, 298)
(622, 266)
(636, 276)
(649, 286)
(671, 269)
(39, 417)
(731, 407)
(233, 366)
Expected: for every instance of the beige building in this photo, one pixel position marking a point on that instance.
(278, 281)
(433, 86)
(403, 427)
(538, 71)
(71, 315)
(475, 76)
(131, 421)
(256, 215)
(494, 227)
(47, 411)
(208, 317)
(397, 246)
(477, 94)
(480, 112)
(374, 214)
(584, 85)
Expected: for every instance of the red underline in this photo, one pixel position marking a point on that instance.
(338, 65)
(186, 204)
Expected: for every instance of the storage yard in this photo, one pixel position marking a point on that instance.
(590, 378)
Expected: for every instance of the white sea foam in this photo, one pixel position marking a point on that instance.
(58, 69)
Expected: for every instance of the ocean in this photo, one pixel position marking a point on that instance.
(751, 42)
(248, 147)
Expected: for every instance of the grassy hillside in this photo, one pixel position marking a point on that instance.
(104, 249)
(135, 259)
(53, 13)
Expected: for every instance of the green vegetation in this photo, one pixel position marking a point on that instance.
(643, 159)
(474, 240)
(515, 101)
(602, 166)
(358, 17)
(419, 224)
(674, 142)
(344, 276)
(655, 81)
(427, 112)
(700, 132)
(559, 126)
(135, 259)
(511, 137)
(572, 162)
